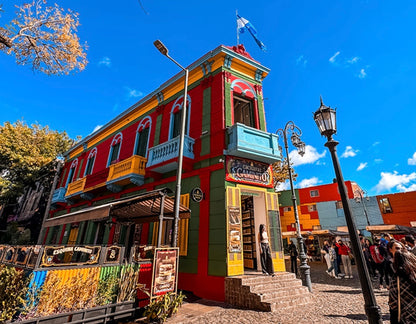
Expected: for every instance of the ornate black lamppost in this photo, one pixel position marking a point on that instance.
(295, 131)
(325, 118)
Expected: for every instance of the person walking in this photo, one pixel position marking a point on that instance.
(266, 255)
(325, 253)
(334, 264)
(344, 251)
(378, 259)
(402, 292)
(410, 241)
(293, 252)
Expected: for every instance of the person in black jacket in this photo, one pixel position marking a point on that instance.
(293, 252)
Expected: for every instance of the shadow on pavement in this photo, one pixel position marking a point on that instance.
(357, 317)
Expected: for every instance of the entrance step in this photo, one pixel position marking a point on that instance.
(266, 293)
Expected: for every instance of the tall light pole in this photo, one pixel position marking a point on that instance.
(163, 49)
(325, 118)
(291, 128)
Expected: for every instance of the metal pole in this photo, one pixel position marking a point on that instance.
(305, 269)
(370, 304)
(180, 155)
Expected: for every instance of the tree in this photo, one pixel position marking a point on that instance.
(25, 152)
(281, 172)
(45, 37)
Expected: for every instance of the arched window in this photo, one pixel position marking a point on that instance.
(176, 115)
(115, 149)
(90, 161)
(142, 137)
(71, 174)
(244, 103)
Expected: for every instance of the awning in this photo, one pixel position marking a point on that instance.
(142, 208)
(391, 229)
(315, 233)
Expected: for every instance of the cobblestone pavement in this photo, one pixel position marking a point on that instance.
(334, 301)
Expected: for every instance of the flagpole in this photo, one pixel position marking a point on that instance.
(236, 20)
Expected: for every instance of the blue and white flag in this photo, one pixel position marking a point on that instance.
(243, 25)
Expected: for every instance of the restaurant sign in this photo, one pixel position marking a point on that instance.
(249, 172)
(165, 271)
(70, 255)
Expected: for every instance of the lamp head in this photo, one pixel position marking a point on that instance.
(325, 118)
(161, 47)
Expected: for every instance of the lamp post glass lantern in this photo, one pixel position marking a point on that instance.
(325, 118)
(163, 49)
(296, 133)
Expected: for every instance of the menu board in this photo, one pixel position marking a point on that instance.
(234, 229)
(165, 271)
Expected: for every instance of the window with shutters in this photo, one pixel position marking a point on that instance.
(176, 117)
(90, 162)
(142, 137)
(115, 149)
(71, 174)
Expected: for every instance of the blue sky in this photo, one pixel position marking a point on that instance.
(359, 55)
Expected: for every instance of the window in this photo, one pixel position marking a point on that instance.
(316, 227)
(243, 112)
(339, 208)
(71, 174)
(385, 205)
(287, 209)
(142, 137)
(90, 162)
(314, 193)
(176, 117)
(115, 149)
(312, 208)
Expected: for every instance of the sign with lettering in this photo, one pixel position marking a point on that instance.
(234, 229)
(165, 271)
(70, 255)
(249, 172)
(197, 194)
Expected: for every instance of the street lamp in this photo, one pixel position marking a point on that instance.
(163, 49)
(325, 118)
(359, 197)
(295, 131)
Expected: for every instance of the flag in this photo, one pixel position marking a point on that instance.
(243, 25)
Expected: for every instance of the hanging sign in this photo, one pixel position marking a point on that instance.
(249, 172)
(59, 256)
(197, 194)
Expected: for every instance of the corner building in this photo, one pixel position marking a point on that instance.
(226, 184)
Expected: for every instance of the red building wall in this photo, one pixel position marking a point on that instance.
(403, 208)
(327, 192)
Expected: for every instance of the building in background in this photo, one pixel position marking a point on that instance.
(398, 208)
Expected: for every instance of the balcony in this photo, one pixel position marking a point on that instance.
(131, 170)
(163, 157)
(250, 143)
(75, 189)
(58, 196)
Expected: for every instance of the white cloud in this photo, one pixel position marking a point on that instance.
(105, 61)
(376, 143)
(349, 152)
(311, 156)
(362, 74)
(282, 186)
(390, 180)
(362, 166)
(406, 189)
(305, 183)
(353, 60)
(301, 60)
(333, 57)
(133, 93)
(378, 160)
(97, 128)
(412, 160)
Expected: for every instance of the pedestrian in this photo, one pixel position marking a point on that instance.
(368, 259)
(266, 255)
(334, 264)
(410, 240)
(293, 252)
(402, 292)
(325, 253)
(344, 252)
(378, 259)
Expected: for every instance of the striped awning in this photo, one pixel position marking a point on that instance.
(143, 208)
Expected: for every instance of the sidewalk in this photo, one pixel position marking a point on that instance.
(334, 301)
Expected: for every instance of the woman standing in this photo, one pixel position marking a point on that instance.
(266, 255)
(344, 251)
(402, 292)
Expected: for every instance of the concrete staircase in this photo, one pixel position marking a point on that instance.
(266, 293)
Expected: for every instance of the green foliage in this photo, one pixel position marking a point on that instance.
(107, 289)
(163, 307)
(281, 172)
(27, 152)
(13, 288)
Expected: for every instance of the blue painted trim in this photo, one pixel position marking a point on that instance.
(235, 84)
(227, 61)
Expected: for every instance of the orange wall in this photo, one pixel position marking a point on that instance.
(403, 207)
